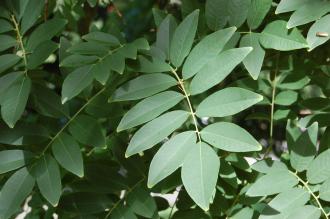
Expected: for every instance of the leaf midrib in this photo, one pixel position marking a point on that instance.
(225, 137)
(165, 103)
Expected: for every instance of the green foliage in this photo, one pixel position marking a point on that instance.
(110, 107)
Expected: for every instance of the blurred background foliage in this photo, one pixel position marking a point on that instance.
(109, 176)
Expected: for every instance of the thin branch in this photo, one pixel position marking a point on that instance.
(274, 82)
(272, 106)
(232, 205)
(120, 200)
(83, 107)
(20, 41)
(117, 10)
(245, 32)
(181, 84)
(176, 200)
(305, 184)
(46, 10)
(71, 119)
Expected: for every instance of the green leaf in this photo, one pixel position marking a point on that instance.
(238, 161)
(286, 98)
(290, 5)
(84, 203)
(216, 14)
(128, 51)
(232, 42)
(253, 61)
(183, 38)
(294, 81)
(226, 102)
(141, 44)
(306, 212)
(99, 107)
(76, 82)
(5, 26)
(41, 53)
(141, 203)
(87, 130)
(228, 174)
(15, 101)
(158, 15)
(170, 156)
(199, 174)
(149, 109)
(324, 141)
(152, 66)
(7, 80)
(101, 71)
(14, 192)
(304, 149)
(320, 26)
(92, 3)
(101, 37)
(155, 131)
(89, 48)
(65, 44)
(219, 12)
(318, 170)
(7, 42)
(325, 190)
(277, 36)
(244, 213)
(7, 61)
(257, 12)
(156, 53)
(17, 7)
(48, 103)
(13, 159)
(282, 114)
(189, 6)
(165, 33)
(290, 199)
(237, 12)
(229, 137)
(205, 50)
(143, 86)
(211, 74)
(76, 60)
(268, 165)
(116, 62)
(31, 13)
(67, 152)
(123, 212)
(280, 181)
(45, 31)
(23, 134)
(48, 177)
(308, 12)
(192, 212)
(5, 13)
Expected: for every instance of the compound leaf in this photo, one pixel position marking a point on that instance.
(155, 131)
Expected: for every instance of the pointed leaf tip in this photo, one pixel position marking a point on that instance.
(64, 100)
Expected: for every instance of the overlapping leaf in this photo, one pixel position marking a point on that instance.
(155, 131)
(200, 173)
